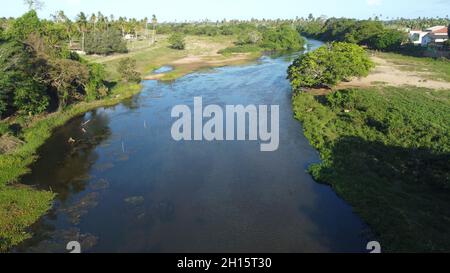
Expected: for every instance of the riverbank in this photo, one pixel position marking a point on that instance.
(385, 149)
(21, 206)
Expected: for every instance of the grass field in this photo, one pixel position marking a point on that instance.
(433, 69)
(386, 151)
(149, 58)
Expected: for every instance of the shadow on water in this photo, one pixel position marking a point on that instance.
(127, 186)
(65, 170)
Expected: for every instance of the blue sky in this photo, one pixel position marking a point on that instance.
(181, 10)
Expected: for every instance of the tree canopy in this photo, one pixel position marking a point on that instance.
(329, 65)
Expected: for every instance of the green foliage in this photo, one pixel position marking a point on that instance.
(279, 38)
(329, 65)
(67, 78)
(105, 42)
(127, 70)
(241, 49)
(387, 152)
(176, 41)
(388, 40)
(253, 37)
(96, 88)
(20, 84)
(371, 33)
(363, 31)
(31, 98)
(23, 26)
(282, 38)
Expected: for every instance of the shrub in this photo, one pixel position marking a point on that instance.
(30, 98)
(329, 65)
(249, 38)
(96, 75)
(177, 41)
(127, 70)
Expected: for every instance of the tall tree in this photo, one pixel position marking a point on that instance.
(154, 23)
(34, 4)
(82, 27)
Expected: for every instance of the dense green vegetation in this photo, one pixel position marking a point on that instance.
(127, 70)
(371, 33)
(386, 151)
(329, 65)
(39, 73)
(105, 42)
(279, 38)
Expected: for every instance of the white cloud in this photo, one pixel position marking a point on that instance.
(373, 3)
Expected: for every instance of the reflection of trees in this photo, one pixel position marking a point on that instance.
(63, 167)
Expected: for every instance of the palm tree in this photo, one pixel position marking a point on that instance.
(34, 4)
(82, 27)
(154, 22)
(93, 21)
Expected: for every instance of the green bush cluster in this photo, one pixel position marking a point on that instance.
(329, 65)
(127, 70)
(105, 42)
(278, 38)
(176, 41)
(371, 33)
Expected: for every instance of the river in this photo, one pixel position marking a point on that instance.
(127, 186)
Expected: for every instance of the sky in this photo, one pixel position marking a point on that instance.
(188, 10)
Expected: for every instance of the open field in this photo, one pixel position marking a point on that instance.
(201, 52)
(398, 70)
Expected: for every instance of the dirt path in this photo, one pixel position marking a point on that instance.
(388, 73)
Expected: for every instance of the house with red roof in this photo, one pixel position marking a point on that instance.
(436, 35)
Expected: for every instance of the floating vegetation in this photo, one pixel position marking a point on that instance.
(101, 184)
(81, 207)
(57, 241)
(123, 157)
(104, 167)
(166, 211)
(135, 200)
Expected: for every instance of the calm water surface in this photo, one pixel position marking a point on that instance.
(126, 186)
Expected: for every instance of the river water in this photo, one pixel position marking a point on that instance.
(127, 186)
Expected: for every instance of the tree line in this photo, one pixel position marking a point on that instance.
(38, 71)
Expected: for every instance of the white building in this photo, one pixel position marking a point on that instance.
(433, 35)
(416, 36)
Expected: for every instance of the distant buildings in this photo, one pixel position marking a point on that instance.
(432, 36)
